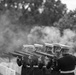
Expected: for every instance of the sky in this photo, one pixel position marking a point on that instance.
(71, 4)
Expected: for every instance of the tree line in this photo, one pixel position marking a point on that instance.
(41, 12)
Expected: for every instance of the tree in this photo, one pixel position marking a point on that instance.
(68, 21)
(38, 12)
(53, 11)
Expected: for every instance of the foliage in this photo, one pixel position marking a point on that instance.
(38, 11)
(53, 11)
(68, 21)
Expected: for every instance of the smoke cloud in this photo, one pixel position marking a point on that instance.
(68, 37)
(13, 37)
(53, 35)
(35, 35)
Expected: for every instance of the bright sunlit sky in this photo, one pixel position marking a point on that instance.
(71, 4)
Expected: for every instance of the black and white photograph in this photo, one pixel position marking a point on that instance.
(37, 37)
